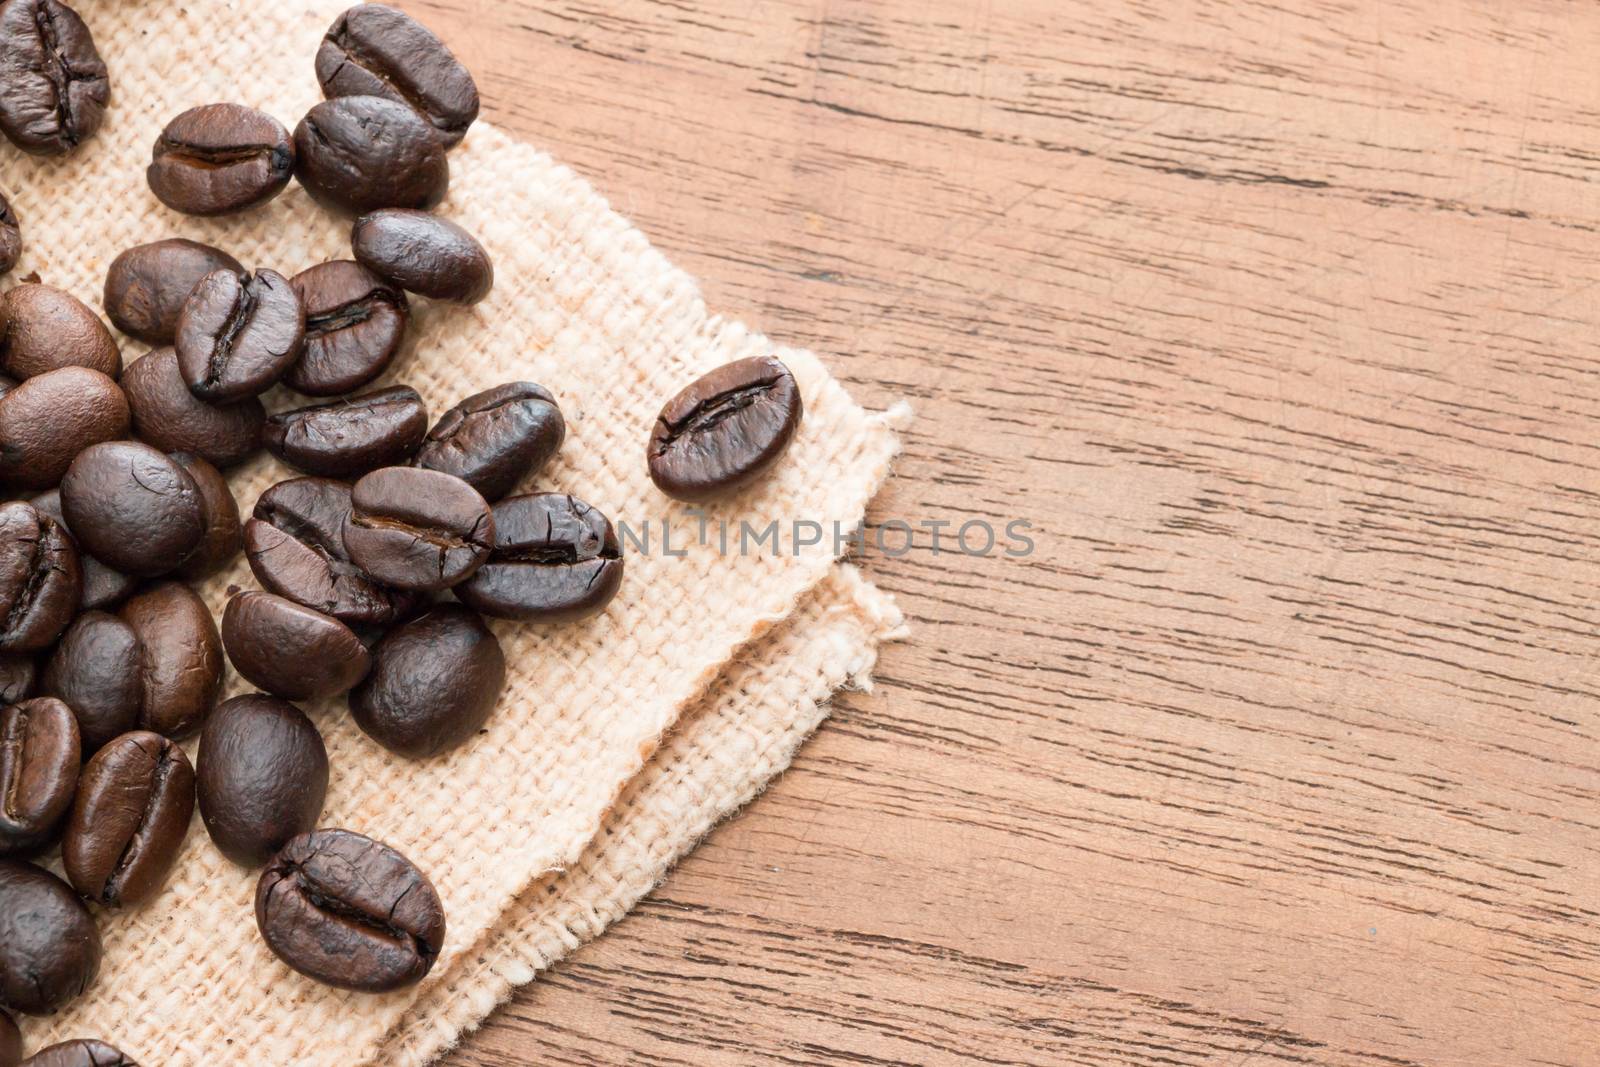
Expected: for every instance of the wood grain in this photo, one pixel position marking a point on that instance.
(1278, 320)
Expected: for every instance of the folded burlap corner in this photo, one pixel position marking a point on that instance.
(563, 812)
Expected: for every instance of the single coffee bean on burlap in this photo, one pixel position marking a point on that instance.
(495, 439)
(10, 236)
(222, 534)
(98, 671)
(180, 658)
(103, 586)
(132, 507)
(39, 758)
(355, 323)
(134, 802)
(80, 1052)
(290, 650)
(46, 421)
(19, 676)
(361, 153)
(347, 438)
(49, 328)
(49, 947)
(168, 416)
(220, 158)
(53, 83)
(417, 529)
(238, 334)
(41, 579)
(555, 559)
(147, 286)
(725, 430)
(424, 254)
(263, 775)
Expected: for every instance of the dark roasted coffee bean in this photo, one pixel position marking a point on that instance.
(355, 322)
(147, 286)
(49, 948)
(55, 84)
(263, 775)
(132, 507)
(417, 529)
(373, 50)
(41, 579)
(223, 535)
(220, 158)
(290, 650)
(10, 1042)
(494, 439)
(168, 416)
(433, 683)
(103, 587)
(725, 430)
(46, 421)
(48, 328)
(10, 236)
(295, 544)
(555, 559)
(361, 153)
(19, 675)
(39, 757)
(348, 438)
(350, 912)
(97, 671)
(238, 334)
(80, 1052)
(180, 658)
(134, 802)
(424, 254)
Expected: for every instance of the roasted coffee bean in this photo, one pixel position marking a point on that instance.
(494, 439)
(263, 775)
(290, 650)
(168, 416)
(39, 757)
(350, 912)
(81, 1052)
(46, 421)
(134, 802)
(220, 158)
(10, 1042)
(103, 587)
(433, 683)
(98, 671)
(147, 286)
(417, 529)
(132, 507)
(41, 579)
(10, 242)
(55, 84)
(555, 559)
(295, 544)
(348, 438)
(180, 658)
(361, 153)
(48, 328)
(223, 535)
(49, 948)
(355, 322)
(424, 254)
(238, 334)
(373, 50)
(725, 430)
(19, 675)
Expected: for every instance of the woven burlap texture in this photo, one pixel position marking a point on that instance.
(583, 305)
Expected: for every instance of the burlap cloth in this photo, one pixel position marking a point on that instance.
(577, 798)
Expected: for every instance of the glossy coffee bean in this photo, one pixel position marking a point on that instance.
(55, 83)
(41, 579)
(48, 420)
(350, 912)
(220, 158)
(147, 286)
(49, 328)
(361, 153)
(555, 559)
(263, 775)
(39, 757)
(290, 650)
(495, 439)
(49, 948)
(131, 814)
(238, 334)
(374, 50)
(10, 1042)
(417, 529)
(19, 676)
(169, 417)
(180, 658)
(295, 543)
(424, 254)
(223, 535)
(433, 683)
(348, 438)
(103, 587)
(355, 322)
(10, 238)
(80, 1052)
(97, 671)
(725, 430)
(133, 508)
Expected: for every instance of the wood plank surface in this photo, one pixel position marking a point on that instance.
(1278, 320)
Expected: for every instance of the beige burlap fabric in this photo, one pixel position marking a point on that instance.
(506, 827)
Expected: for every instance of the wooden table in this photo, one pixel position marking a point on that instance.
(1279, 322)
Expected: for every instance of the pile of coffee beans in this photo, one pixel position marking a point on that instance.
(114, 496)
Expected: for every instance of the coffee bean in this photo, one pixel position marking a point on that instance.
(10, 236)
(348, 438)
(55, 84)
(180, 658)
(238, 334)
(98, 671)
(103, 587)
(494, 439)
(19, 674)
(555, 559)
(133, 508)
(350, 912)
(295, 544)
(220, 158)
(47, 420)
(41, 579)
(290, 650)
(147, 286)
(49, 948)
(424, 254)
(39, 757)
(355, 322)
(417, 529)
(48, 328)
(725, 430)
(223, 536)
(134, 802)
(168, 416)
(10, 1042)
(361, 153)
(81, 1052)
(373, 50)
(263, 775)
(433, 683)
